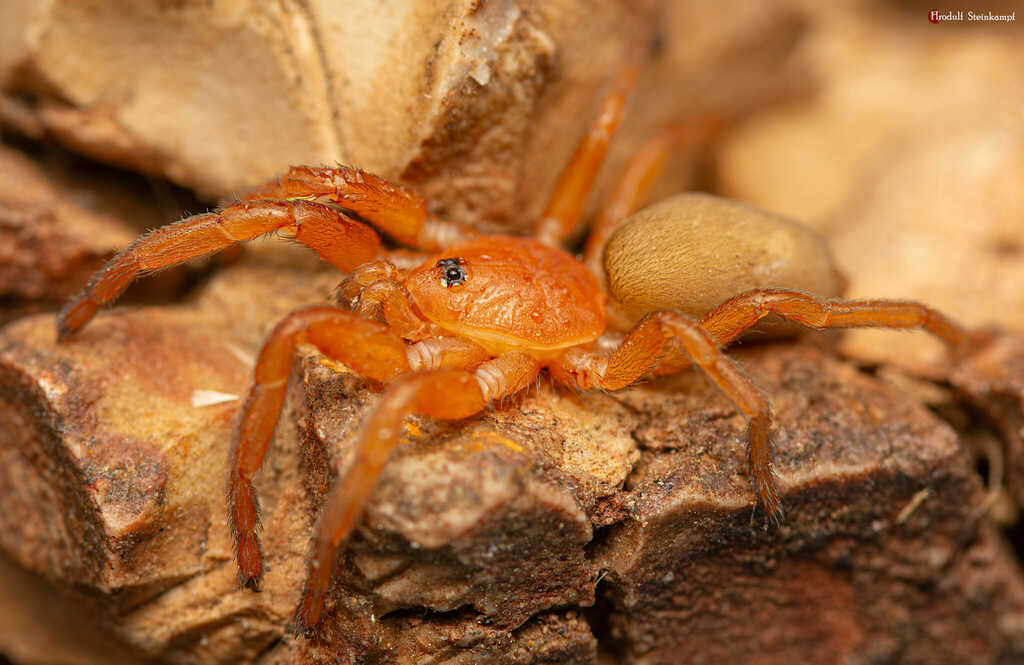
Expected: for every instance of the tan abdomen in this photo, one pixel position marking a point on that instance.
(693, 251)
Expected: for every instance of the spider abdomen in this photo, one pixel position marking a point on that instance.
(691, 252)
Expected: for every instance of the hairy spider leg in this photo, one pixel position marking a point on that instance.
(449, 394)
(730, 319)
(369, 348)
(738, 314)
(339, 239)
(397, 211)
(641, 351)
(565, 206)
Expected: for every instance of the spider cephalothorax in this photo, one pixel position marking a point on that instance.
(479, 321)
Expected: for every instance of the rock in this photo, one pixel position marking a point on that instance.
(485, 540)
(883, 81)
(41, 625)
(942, 224)
(881, 553)
(48, 245)
(992, 382)
(476, 104)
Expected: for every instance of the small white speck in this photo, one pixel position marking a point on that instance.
(481, 73)
(202, 398)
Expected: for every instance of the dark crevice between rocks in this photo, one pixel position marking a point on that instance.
(611, 647)
(989, 434)
(437, 616)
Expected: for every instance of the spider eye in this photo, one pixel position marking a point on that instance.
(453, 272)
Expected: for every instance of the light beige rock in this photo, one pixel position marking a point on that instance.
(908, 158)
(943, 222)
(883, 81)
(478, 104)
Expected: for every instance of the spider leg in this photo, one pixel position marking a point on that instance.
(642, 349)
(634, 181)
(369, 348)
(449, 394)
(730, 319)
(736, 315)
(565, 207)
(336, 237)
(445, 352)
(397, 211)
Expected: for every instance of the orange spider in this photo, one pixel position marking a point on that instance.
(479, 320)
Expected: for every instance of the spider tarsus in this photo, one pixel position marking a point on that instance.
(973, 341)
(73, 316)
(773, 518)
(250, 582)
(303, 631)
(300, 625)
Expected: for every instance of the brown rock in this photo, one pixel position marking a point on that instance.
(48, 245)
(39, 625)
(882, 555)
(112, 476)
(992, 382)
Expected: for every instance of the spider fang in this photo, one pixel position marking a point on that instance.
(453, 272)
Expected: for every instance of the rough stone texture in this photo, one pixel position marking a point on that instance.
(111, 477)
(882, 557)
(112, 482)
(48, 244)
(993, 383)
(479, 544)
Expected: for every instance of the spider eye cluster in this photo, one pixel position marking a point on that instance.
(453, 271)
